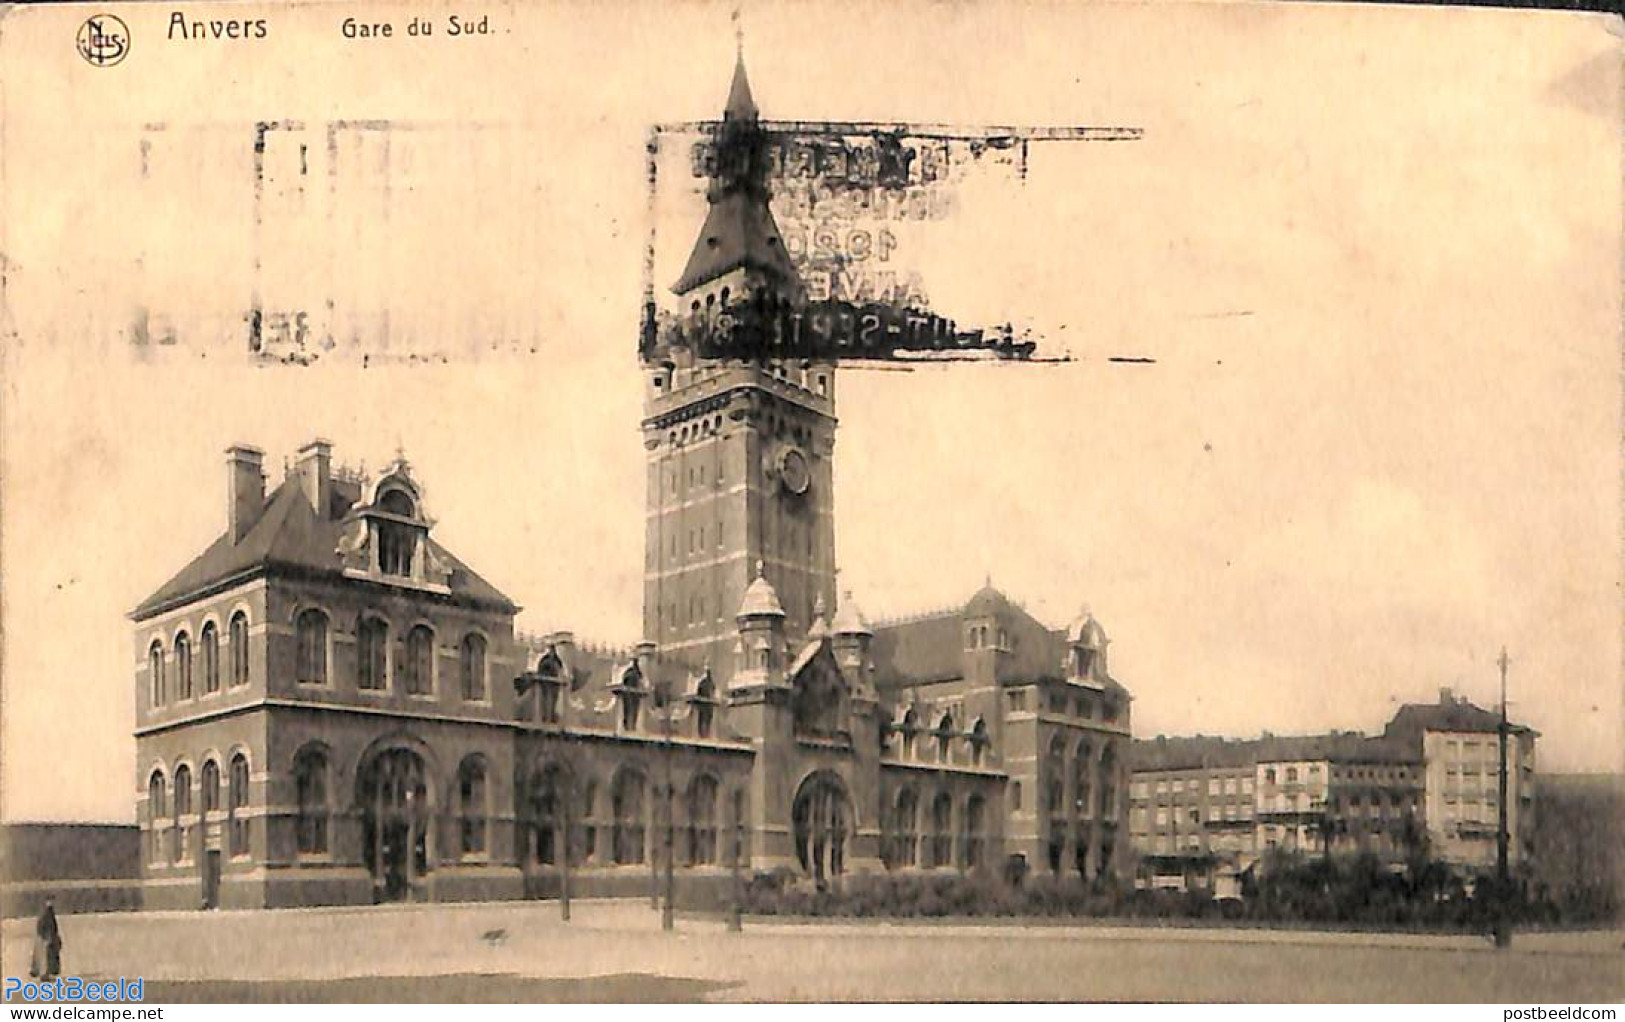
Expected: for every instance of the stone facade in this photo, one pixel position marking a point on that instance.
(333, 709)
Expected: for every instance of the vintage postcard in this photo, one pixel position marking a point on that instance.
(996, 501)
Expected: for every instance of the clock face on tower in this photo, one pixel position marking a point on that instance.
(795, 475)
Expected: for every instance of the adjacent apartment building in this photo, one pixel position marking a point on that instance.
(1204, 810)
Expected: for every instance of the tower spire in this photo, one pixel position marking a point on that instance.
(741, 105)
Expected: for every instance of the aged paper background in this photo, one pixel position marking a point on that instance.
(1375, 254)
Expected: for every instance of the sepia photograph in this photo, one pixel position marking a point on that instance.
(1111, 503)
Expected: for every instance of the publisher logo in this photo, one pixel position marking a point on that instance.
(103, 40)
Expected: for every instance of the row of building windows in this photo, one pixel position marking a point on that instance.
(978, 637)
(169, 837)
(1082, 705)
(556, 809)
(1083, 774)
(186, 661)
(1215, 814)
(393, 786)
(707, 427)
(1290, 774)
(414, 663)
(1242, 785)
(904, 846)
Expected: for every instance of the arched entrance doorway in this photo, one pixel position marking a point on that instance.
(394, 796)
(822, 815)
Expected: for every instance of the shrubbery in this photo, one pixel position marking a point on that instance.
(1354, 892)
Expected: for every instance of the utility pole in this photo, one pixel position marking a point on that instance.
(1503, 930)
(736, 920)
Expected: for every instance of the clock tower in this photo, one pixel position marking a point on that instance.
(739, 452)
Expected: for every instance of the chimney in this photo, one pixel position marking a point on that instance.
(315, 472)
(245, 489)
(1447, 697)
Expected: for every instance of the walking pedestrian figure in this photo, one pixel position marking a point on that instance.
(47, 963)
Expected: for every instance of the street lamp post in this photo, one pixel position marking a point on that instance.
(564, 860)
(736, 920)
(667, 919)
(1503, 929)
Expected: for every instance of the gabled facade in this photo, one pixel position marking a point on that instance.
(321, 700)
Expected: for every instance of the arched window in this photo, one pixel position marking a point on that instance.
(471, 806)
(182, 851)
(906, 827)
(627, 797)
(822, 818)
(157, 809)
(211, 787)
(237, 805)
(1083, 788)
(945, 738)
(310, 779)
(372, 653)
(155, 672)
(702, 821)
(211, 660)
(419, 661)
(942, 831)
(972, 827)
(183, 666)
(310, 641)
(239, 648)
(472, 662)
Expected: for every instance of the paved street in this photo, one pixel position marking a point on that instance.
(615, 951)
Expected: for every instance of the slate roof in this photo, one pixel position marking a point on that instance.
(923, 650)
(739, 232)
(1195, 752)
(931, 648)
(1456, 715)
(289, 536)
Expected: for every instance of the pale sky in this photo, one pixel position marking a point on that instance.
(1375, 253)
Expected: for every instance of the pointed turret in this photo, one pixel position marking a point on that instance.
(849, 620)
(761, 635)
(741, 106)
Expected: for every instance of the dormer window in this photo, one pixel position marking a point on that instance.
(388, 540)
(704, 701)
(1083, 660)
(397, 541)
(630, 695)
